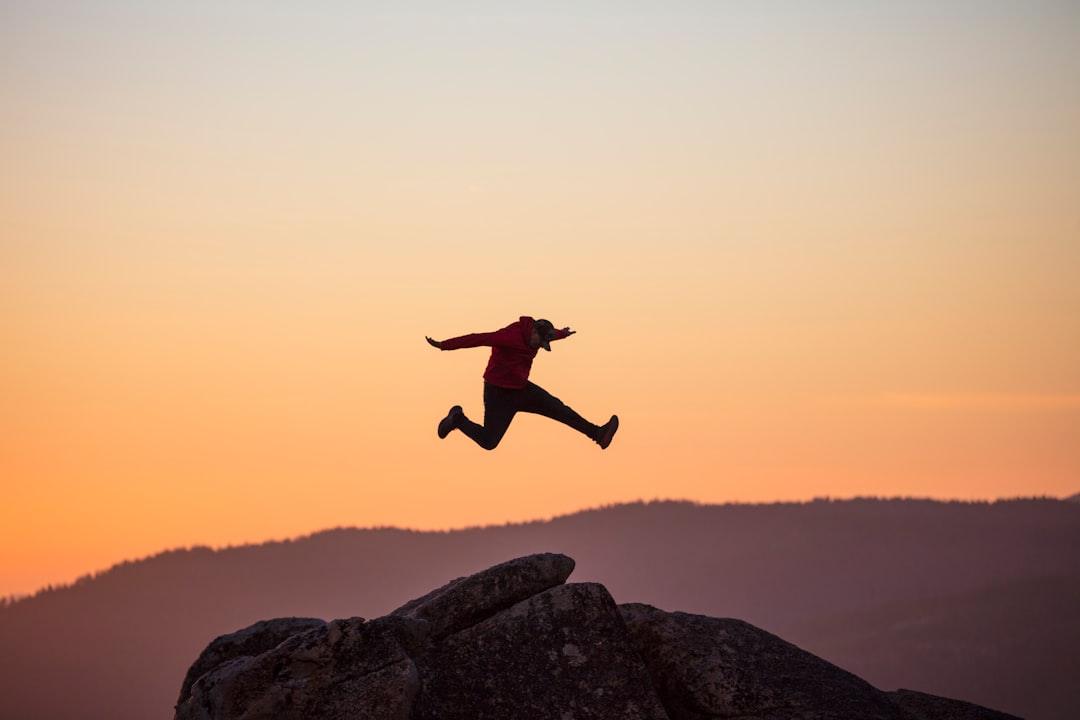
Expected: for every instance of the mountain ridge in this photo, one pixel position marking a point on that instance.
(13, 599)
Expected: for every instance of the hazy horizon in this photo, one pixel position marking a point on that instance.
(92, 573)
(808, 250)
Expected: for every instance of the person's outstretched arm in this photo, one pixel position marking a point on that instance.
(506, 336)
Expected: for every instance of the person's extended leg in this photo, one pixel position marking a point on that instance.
(539, 401)
(500, 406)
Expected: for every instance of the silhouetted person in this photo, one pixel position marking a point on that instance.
(507, 390)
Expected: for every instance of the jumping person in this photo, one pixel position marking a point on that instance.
(507, 390)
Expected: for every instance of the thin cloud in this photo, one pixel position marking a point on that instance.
(997, 402)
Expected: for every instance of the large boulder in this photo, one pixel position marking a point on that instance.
(467, 600)
(515, 641)
(564, 653)
(345, 669)
(706, 667)
(249, 642)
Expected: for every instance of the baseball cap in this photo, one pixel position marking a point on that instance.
(546, 331)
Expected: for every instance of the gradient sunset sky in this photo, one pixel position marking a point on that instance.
(809, 248)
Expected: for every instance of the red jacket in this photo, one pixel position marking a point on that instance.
(511, 357)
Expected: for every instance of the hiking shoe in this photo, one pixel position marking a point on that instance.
(603, 437)
(449, 422)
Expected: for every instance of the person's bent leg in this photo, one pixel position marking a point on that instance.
(499, 409)
(539, 401)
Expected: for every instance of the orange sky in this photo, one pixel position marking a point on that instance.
(808, 252)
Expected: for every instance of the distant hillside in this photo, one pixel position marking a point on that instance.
(1014, 642)
(805, 569)
(1074, 498)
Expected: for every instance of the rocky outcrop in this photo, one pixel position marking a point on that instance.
(564, 653)
(467, 600)
(707, 667)
(515, 641)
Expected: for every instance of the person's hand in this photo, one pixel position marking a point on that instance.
(568, 331)
(433, 343)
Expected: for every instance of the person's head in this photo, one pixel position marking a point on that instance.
(542, 335)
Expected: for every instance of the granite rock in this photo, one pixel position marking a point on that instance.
(517, 642)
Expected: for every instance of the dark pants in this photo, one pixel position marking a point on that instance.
(501, 404)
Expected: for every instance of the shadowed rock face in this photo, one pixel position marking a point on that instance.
(468, 600)
(249, 642)
(562, 653)
(329, 672)
(514, 641)
(707, 667)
